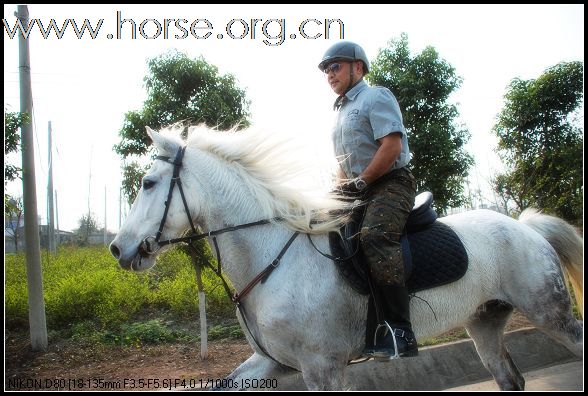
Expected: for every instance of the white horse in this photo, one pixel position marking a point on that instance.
(304, 316)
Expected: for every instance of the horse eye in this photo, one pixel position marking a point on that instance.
(147, 184)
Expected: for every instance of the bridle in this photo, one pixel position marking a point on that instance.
(147, 246)
(151, 244)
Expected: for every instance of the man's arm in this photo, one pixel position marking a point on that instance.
(390, 149)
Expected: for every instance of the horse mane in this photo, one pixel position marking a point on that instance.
(285, 184)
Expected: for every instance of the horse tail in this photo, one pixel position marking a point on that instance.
(568, 244)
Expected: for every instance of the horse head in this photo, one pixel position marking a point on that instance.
(156, 213)
(226, 178)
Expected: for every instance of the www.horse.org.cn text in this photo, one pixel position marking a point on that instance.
(271, 32)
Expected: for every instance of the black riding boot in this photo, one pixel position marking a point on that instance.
(393, 337)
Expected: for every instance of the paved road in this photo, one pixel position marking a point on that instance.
(562, 377)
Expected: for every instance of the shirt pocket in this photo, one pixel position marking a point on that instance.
(352, 129)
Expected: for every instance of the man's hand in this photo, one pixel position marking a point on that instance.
(353, 188)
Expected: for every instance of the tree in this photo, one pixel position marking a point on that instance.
(178, 89)
(12, 121)
(13, 212)
(88, 226)
(541, 142)
(131, 183)
(182, 89)
(422, 85)
(501, 184)
(13, 206)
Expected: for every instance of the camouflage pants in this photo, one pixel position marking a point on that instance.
(389, 204)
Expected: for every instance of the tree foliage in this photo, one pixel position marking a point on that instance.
(541, 142)
(13, 212)
(13, 206)
(131, 183)
(422, 84)
(182, 89)
(179, 89)
(88, 225)
(12, 122)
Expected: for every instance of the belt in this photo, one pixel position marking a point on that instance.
(390, 175)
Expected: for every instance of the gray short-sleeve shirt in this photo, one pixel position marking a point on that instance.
(365, 115)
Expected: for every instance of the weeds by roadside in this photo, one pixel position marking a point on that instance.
(82, 284)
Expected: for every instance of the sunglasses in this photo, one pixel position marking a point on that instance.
(333, 67)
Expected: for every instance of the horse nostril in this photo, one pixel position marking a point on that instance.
(114, 251)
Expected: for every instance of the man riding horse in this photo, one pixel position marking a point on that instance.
(371, 140)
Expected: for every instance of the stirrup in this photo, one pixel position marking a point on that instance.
(387, 328)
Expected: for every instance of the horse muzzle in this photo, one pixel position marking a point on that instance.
(142, 258)
(140, 262)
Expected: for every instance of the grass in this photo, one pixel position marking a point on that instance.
(88, 295)
(445, 338)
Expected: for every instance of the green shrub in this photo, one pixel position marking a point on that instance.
(15, 291)
(139, 333)
(87, 284)
(180, 294)
(230, 331)
(177, 289)
(154, 331)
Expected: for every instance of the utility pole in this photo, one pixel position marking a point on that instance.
(119, 206)
(105, 232)
(50, 219)
(37, 321)
(89, 186)
(58, 239)
(471, 202)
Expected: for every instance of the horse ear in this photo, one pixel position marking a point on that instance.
(163, 144)
(152, 134)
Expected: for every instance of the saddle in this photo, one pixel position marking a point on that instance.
(433, 253)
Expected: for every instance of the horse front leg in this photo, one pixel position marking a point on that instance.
(254, 371)
(324, 374)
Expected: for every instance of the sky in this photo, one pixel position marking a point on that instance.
(85, 85)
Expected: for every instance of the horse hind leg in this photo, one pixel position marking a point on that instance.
(538, 289)
(567, 330)
(550, 309)
(486, 328)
